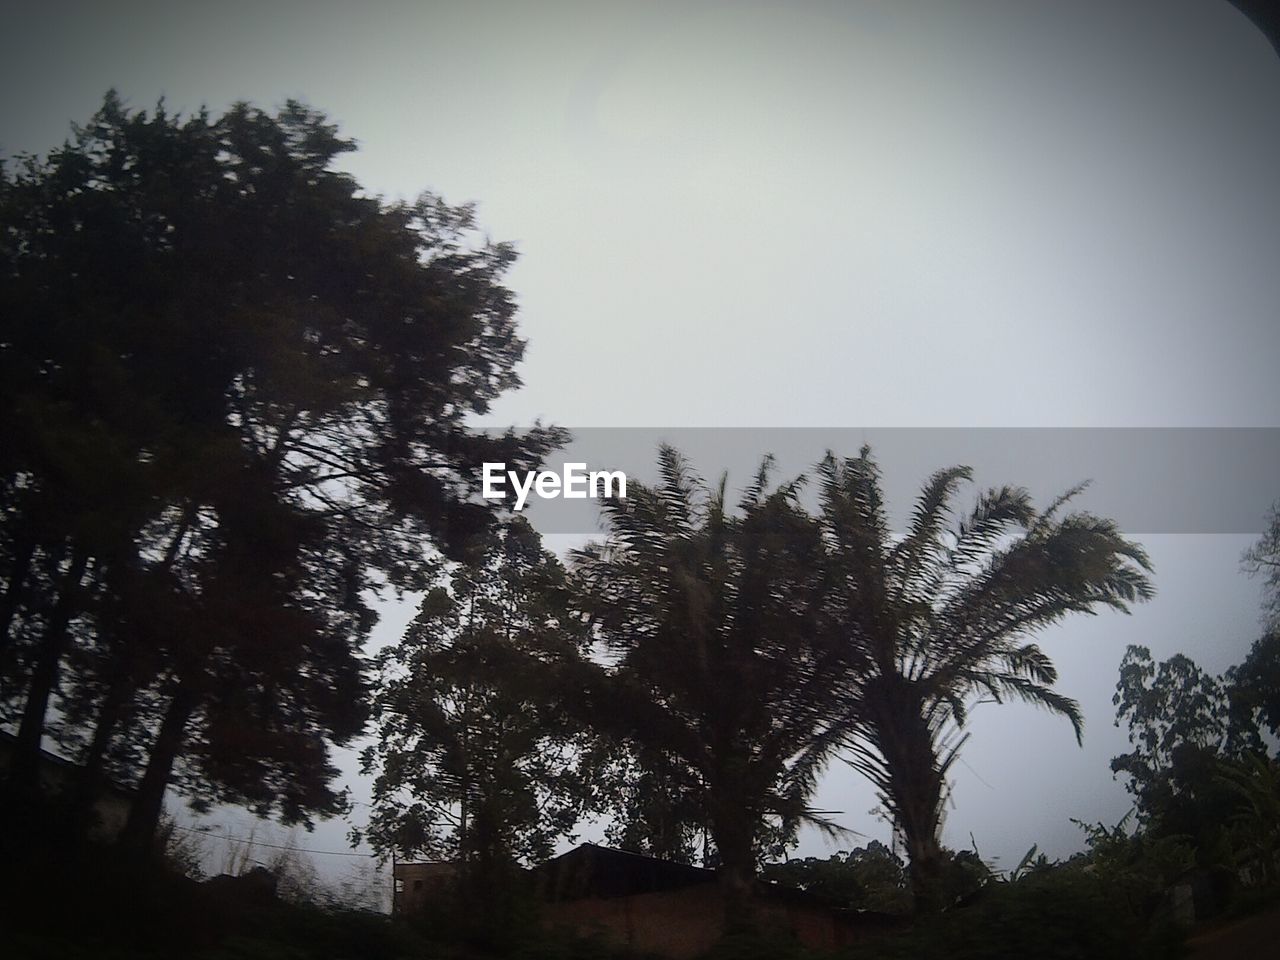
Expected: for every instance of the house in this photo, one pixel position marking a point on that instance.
(674, 910)
(57, 775)
(647, 905)
(414, 885)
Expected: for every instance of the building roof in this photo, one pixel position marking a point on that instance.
(591, 870)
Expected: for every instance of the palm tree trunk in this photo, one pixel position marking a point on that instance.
(925, 870)
(733, 830)
(915, 790)
(917, 794)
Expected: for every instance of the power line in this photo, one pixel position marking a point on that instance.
(274, 846)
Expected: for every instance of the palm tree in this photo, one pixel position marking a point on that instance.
(709, 617)
(941, 618)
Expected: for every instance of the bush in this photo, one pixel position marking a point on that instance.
(1067, 912)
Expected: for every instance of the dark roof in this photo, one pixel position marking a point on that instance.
(594, 871)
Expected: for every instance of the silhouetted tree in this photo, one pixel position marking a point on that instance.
(654, 803)
(1254, 783)
(940, 618)
(868, 878)
(1254, 686)
(1195, 738)
(713, 670)
(234, 394)
(1263, 560)
(474, 759)
(1179, 720)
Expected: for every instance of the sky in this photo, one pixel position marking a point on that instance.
(860, 214)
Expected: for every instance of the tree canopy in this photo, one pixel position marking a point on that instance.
(234, 394)
(474, 759)
(940, 619)
(713, 669)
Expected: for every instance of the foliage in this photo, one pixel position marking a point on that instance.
(1197, 747)
(1263, 560)
(183, 851)
(474, 761)
(1254, 684)
(234, 395)
(654, 804)
(1137, 865)
(1254, 780)
(1065, 912)
(867, 878)
(713, 673)
(940, 619)
(1179, 720)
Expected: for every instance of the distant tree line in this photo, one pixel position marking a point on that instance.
(715, 659)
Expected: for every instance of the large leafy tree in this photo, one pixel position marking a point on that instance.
(712, 668)
(234, 393)
(1254, 686)
(1182, 724)
(942, 617)
(1192, 735)
(475, 762)
(653, 802)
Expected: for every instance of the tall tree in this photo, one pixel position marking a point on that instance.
(1254, 686)
(941, 618)
(1180, 724)
(1184, 725)
(1263, 560)
(474, 760)
(234, 383)
(713, 669)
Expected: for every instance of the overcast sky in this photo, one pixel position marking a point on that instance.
(825, 214)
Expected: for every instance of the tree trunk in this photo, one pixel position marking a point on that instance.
(24, 553)
(733, 830)
(44, 678)
(89, 777)
(917, 796)
(925, 870)
(915, 790)
(144, 816)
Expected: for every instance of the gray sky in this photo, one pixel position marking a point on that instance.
(825, 214)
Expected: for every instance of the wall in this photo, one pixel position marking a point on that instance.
(682, 924)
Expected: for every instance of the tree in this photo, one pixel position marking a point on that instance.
(474, 760)
(235, 393)
(1254, 686)
(867, 878)
(1198, 748)
(1179, 724)
(712, 669)
(1254, 782)
(654, 804)
(1263, 560)
(940, 619)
